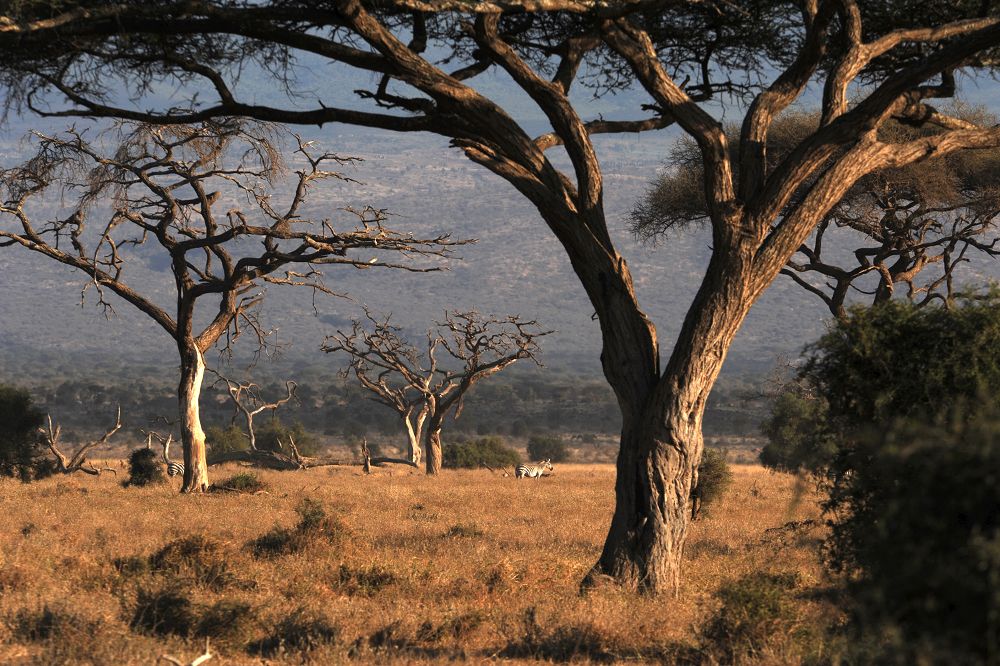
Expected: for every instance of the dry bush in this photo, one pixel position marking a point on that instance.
(162, 612)
(363, 581)
(227, 621)
(197, 557)
(301, 631)
(314, 527)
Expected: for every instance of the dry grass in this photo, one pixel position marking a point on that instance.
(468, 565)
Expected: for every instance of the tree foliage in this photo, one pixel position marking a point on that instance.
(901, 221)
(714, 478)
(20, 445)
(547, 447)
(225, 440)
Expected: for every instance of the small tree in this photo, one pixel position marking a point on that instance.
(20, 423)
(542, 447)
(225, 440)
(416, 385)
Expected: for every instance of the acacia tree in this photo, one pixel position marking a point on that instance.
(161, 183)
(912, 219)
(895, 55)
(422, 388)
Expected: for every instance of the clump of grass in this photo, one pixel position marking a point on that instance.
(301, 631)
(426, 637)
(163, 612)
(40, 625)
(314, 526)
(754, 609)
(563, 643)
(197, 556)
(144, 469)
(12, 578)
(364, 582)
(461, 531)
(501, 577)
(242, 482)
(229, 621)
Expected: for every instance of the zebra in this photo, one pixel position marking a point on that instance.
(173, 467)
(533, 471)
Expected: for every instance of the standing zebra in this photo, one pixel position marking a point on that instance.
(173, 468)
(533, 471)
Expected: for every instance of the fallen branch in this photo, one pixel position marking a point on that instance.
(75, 463)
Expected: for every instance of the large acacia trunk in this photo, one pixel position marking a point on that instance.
(192, 436)
(661, 441)
(433, 444)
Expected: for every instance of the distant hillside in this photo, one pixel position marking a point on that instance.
(516, 267)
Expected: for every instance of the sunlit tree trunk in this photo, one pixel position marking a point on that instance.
(192, 435)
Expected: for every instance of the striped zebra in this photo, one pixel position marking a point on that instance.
(173, 467)
(532, 471)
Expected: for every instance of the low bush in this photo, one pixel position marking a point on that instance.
(483, 451)
(547, 448)
(242, 482)
(144, 468)
(197, 557)
(301, 631)
(755, 609)
(231, 622)
(714, 476)
(163, 612)
(47, 623)
(314, 526)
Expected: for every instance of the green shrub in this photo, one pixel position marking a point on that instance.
(144, 468)
(714, 477)
(799, 438)
(226, 440)
(542, 447)
(919, 536)
(273, 435)
(21, 451)
(472, 454)
(244, 482)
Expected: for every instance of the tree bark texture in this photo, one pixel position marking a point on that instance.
(433, 446)
(192, 435)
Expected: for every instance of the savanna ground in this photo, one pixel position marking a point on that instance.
(402, 568)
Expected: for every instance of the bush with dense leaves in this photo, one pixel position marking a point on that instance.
(911, 398)
(225, 440)
(274, 436)
(547, 448)
(21, 454)
(144, 468)
(714, 476)
(483, 451)
(919, 535)
(799, 438)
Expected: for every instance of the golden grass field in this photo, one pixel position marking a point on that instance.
(468, 566)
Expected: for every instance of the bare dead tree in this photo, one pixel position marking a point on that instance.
(912, 219)
(77, 461)
(426, 56)
(419, 386)
(166, 185)
(248, 401)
